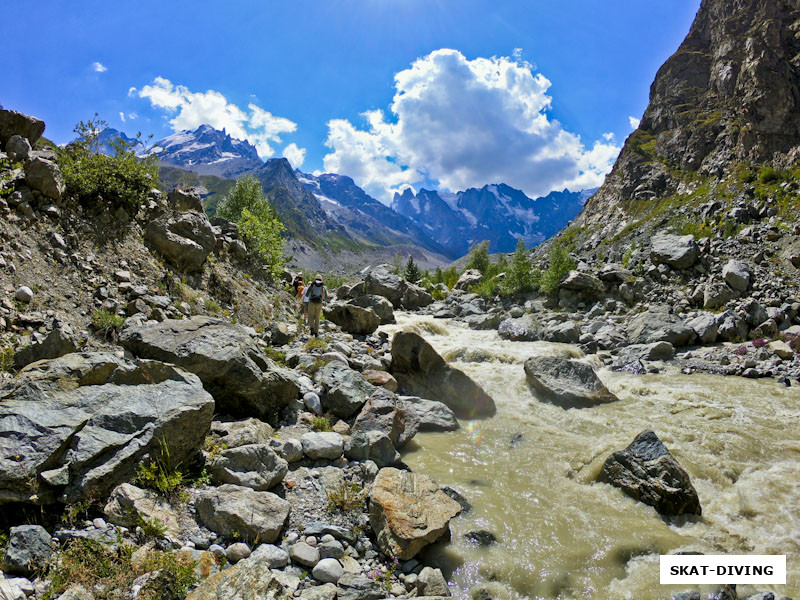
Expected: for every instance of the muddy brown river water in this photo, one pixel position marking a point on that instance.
(529, 474)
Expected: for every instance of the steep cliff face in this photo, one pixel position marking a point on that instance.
(729, 95)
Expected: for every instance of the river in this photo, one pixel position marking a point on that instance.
(529, 472)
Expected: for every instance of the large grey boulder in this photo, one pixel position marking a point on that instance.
(327, 445)
(59, 341)
(80, 424)
(358, 587)
(567, 332)
(420, 371)
(183, 200)
(522, 329)
(717, 294)
(346, 390)
(352, 319)
(430, 414)
(28, 550)
(372, 445)
(378, 304)
(467, 279)
(256, 466)
(736, 274)
(587, 284)
(18, 148)
(232, 434)
(45, 176)
(408, 511)
(381, 281)
(227, 359)
(231, 509)
(386, 413)
(657, 324)
(566, 383)
(647, 472)
(677, 251)
(185, 239)
(16, 123)
(705, 327)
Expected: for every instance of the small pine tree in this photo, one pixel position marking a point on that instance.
(560, 264)
(519, 277)
(479, 257)
(412, 274)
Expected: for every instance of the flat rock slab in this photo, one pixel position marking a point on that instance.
(566, 383)
(227, 359)
(647, 472)
(81, 424)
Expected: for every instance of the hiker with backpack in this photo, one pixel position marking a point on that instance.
(316, 294)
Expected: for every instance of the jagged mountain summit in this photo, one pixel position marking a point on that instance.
(497, 213)
(207, 151)
(363, 216)
(727, 98)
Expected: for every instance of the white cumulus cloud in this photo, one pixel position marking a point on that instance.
(634, 122)
(122, 116)
(192, 109)
(99, 67)
(296, 156)
(465, 123)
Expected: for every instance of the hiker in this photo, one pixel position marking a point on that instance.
(300, 288)
(315, 294)
(297, 281)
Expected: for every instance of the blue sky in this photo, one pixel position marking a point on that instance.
(535, 93)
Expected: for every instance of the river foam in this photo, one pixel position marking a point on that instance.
(529, 474)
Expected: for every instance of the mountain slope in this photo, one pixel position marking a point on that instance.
(207, 151)
(362, 215)
(728, 96)
(497, 213)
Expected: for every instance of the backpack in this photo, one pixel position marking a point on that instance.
(315, 293)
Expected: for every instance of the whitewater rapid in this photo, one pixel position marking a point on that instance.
(529, 474)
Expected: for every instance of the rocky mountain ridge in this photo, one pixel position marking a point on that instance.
(497, 213)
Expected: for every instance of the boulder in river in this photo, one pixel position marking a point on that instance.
(380, 305)
(647, 472)
(227, 359)
(420, 371)
(566, 383)
(381, 281)
(408, 511)
(522, 329)
(658, 324)
(80, 424)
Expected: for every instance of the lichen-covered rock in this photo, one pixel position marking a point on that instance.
(408, 511)
(647, 472)
(44, 175)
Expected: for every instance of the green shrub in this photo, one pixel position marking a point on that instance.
(412, 274)
(316, 344)
(322, 423)
(479, 257)
(276, 355)
(346, 497)
(447, 277)
(259, 225)
(519, 277)
(7, 358)
(161, 475)
(769, 175)
(560, 265)
(109, 571)
(107, 323)
(120, 181)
